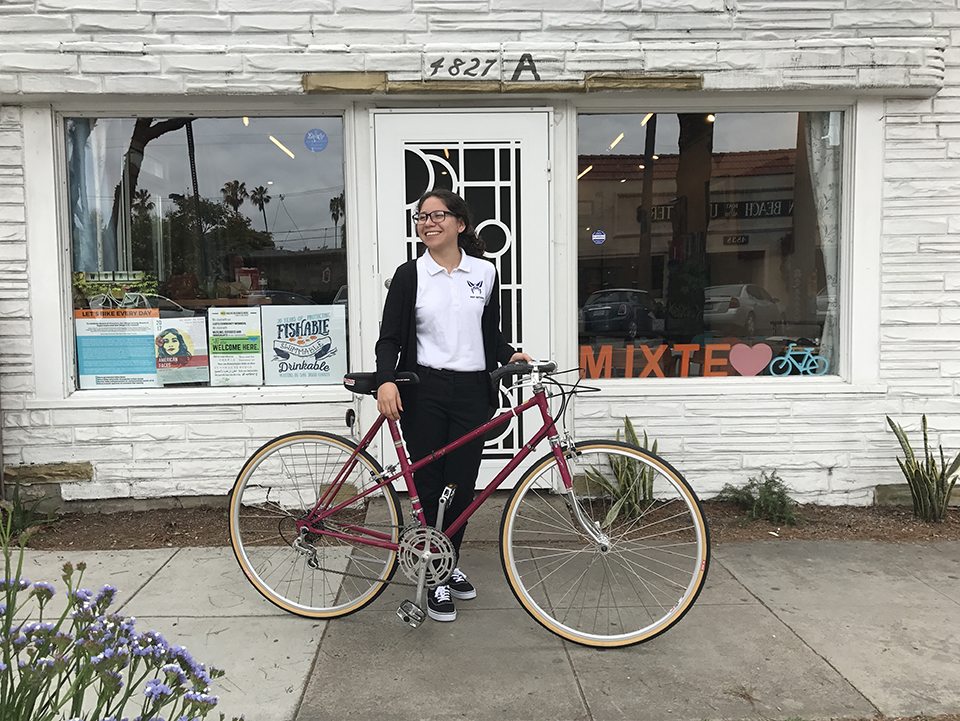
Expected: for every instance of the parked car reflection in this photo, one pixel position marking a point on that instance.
(742, 308)
(623, 312)
(278, 297)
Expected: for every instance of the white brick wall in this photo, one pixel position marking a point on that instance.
(59, 48)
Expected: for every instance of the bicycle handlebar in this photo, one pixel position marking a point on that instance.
(522, 368)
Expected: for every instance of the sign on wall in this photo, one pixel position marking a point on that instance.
(181, 348)
(115, 347)
(304, 344)
(235, 342)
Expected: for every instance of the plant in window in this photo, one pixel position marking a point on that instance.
(628, 482)
(109, 293)
(930, 484)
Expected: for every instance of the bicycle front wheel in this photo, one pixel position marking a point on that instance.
(614, 562)
(322, 576)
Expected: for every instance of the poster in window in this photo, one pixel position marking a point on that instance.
(234, 335)
(115, 347)
(304, 344)
(181, 348)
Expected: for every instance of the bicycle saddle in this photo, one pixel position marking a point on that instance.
(366, 383)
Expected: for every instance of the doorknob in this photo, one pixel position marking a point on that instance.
(386, 283)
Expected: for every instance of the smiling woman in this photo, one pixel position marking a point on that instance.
(702, 244)
(205, 214)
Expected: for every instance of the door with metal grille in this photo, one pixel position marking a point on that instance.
(498, 161)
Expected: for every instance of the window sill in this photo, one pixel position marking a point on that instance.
(205, 396)
(778, 387)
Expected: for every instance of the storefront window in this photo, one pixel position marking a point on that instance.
(708, 244)
(207, 251)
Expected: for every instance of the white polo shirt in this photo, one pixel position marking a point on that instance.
(449, 310)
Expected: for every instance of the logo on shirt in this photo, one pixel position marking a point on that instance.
(476, 289)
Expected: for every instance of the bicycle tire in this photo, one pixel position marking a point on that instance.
(604, 598)
(281, 482)
(780, 366)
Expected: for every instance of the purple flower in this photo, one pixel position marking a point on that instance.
(43, 591)
(20, 583)
(3, 666)
(105, 596)
(174, 673)
(157, 689)
(80, 597)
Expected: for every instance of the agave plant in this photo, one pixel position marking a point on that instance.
(631, 484)
(930, 484)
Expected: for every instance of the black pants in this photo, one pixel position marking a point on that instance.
(440, 409)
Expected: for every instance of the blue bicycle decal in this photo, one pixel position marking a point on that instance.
(803, 360)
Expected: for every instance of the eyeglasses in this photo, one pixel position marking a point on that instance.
(437, 216)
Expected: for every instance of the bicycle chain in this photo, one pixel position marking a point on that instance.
(357, 575)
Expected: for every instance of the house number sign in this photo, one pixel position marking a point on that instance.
(479, 66)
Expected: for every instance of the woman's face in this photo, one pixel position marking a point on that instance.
(439, 236)
(171, 345)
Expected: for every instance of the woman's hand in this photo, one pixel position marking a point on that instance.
(517, 357)
(388, 401)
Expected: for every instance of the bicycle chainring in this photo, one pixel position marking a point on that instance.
(415, 543)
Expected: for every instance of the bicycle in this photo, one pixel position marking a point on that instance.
(602, 543)
(803, 360)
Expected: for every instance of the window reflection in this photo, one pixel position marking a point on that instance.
(703, 248)
(187, 214)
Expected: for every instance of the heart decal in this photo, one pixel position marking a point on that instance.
(750, 360)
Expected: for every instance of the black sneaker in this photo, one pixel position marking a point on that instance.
(439, 604)
(460, 586)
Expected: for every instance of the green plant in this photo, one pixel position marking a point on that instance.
(87, 663)
(930, 484)
(765, 496)
(25, 514)
(631, 487)
(84, 289)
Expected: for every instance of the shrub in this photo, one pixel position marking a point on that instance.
(930, 484)
(765, 496)
(88, 664)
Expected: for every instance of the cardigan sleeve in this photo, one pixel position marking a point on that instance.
(491, 325)
(395, 309)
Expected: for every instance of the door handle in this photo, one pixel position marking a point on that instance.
(386, 283)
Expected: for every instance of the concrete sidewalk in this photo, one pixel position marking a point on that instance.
(783, 629)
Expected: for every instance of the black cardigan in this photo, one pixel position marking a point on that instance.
(398, 331)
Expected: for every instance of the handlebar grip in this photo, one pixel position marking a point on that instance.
(521, 368)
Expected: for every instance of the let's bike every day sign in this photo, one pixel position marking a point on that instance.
(689, 360)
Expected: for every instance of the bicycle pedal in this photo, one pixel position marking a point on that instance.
(411, 614)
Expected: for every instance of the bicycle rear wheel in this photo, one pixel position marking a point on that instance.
(280, 483)
(616, 561)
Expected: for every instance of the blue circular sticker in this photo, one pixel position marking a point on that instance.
(315, 140)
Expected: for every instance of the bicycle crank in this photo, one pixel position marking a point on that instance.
(426, 550)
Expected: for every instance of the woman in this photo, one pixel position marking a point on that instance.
(170, 344)
(441, 320)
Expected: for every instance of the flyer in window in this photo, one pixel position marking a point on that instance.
(304, 344)
(235, 342)
(115, 347)
(181, 348)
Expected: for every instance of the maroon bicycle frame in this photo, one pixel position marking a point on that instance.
(313, 521)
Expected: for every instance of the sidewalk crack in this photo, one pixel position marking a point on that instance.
(800, 638)
(149, 578)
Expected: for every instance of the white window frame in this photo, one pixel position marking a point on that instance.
(50, 260)
(859, 247)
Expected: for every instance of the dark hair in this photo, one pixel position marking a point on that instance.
(162, 352)
(468, 239)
